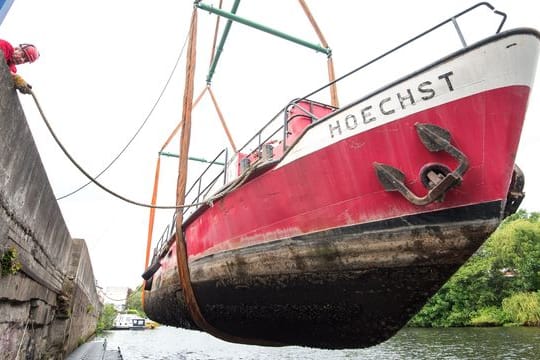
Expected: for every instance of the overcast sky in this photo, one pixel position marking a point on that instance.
(104, 63)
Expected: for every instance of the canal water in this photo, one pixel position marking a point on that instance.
(169, 343)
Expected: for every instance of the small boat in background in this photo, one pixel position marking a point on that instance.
(129, 322)
(122, 322)
(344, 221)
(138, 323)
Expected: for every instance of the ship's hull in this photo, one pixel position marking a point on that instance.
(347, 287)
(314, 251)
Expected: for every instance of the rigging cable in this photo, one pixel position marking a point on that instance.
(133, 293)
(64, 150)
(208, 201)
(138, 130)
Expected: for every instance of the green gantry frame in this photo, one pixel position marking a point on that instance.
(231, 16)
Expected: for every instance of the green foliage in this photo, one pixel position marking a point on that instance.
(523, 308)
(466, 293)
(516, 245)
(522, 214)
(80, 341)
(106, 319)
(485, 290)
(489, 316)
(134, 302)
(10, 262)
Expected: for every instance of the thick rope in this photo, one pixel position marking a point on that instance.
(151, 223)
(313, 23)
(154, 193)
(216, 30)
(152, 206)
(185, 137)
(173, 133)
(181, 247)
(334, 100)
(331, 74)
(138, 130)
(222, 120)
(101, 186)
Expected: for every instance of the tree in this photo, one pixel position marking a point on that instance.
(486, 288)
(465, 293)
(106, 319)
(516, 246)
(523, 308)
(134, 301)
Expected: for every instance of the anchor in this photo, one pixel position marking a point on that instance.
(439, 181)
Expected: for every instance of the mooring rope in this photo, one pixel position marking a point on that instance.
(92, 179)
(138, 130)
(208, 201)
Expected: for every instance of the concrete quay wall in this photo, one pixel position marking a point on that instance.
(85, 306)
(48, 299)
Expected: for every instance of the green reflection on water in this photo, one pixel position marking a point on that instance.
(166, 343)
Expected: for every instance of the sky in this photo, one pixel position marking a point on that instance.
(104, 64)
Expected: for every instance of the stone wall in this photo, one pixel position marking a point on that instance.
(85, 305)
(48, 278)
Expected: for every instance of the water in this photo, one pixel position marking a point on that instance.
(457, 343)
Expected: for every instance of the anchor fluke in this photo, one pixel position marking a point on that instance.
(390, 177)
(435, 139)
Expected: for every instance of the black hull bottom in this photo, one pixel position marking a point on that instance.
(347, 288)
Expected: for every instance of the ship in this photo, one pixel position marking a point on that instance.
(129, 322)
(334, 225)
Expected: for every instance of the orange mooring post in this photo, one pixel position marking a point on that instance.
(331, 74)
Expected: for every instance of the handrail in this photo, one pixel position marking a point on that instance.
(196, 186)
(451, 19)
(210, 165)
(164, 238)
(204, 191)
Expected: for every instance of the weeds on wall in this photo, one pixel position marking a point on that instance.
(9, 261)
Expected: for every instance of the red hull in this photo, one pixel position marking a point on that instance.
(312, 250)
(337, 185)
